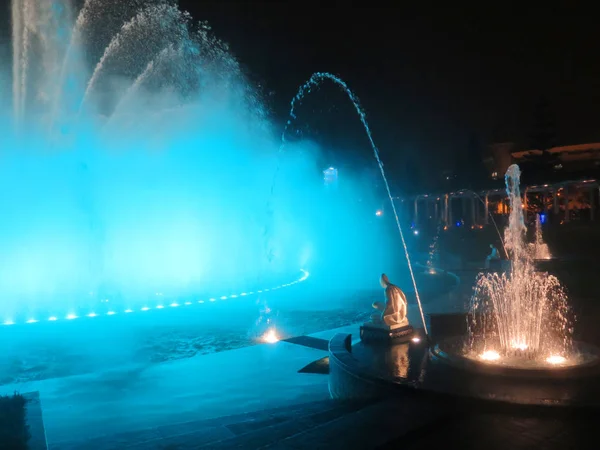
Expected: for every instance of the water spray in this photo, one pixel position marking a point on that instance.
(314, 81)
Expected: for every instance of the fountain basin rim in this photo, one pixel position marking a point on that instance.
(585, 369)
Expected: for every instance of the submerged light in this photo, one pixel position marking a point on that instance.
(556, 359)
(490, 355)
(270, 337)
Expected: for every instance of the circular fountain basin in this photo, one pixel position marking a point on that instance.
(583, 360)
(358, 370)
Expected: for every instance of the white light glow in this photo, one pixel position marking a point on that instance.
(8, 322)
(556, 359)
(52, 319)
(145, 308)
(128, 311)
(160, 307)
(111, 313)
(519, 346)
(31, 321)
(187, 303)
(416, 340)
(174, 305)
(270, 337)
(89, 315)
(490, 355)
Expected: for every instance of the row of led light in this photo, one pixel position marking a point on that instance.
(305, 275)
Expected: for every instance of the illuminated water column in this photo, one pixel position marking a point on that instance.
(567, 213)
(446, 222)
(525, 205)
(487, 209)
(416, 220)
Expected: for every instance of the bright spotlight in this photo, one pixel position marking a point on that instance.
(379, 213)
(270, 337)
(556, 359)
(519, 346)
(416, 232)
(416, 339)
(490, 355)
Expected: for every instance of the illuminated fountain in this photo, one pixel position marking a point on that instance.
(519, 320)
(539, 249)
(123, 148)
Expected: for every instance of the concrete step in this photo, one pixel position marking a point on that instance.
(365, 428)
(198, 433)
(295, 424)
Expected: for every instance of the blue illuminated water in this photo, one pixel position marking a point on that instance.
(313, 83)
(135, 160)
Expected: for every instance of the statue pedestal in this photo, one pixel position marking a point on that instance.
(382, 333)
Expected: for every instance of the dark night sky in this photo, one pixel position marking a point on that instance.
(428, 79)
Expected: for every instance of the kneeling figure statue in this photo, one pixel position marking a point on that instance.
(390, 322)
(393, 311)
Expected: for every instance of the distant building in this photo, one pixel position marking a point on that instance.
(566, 159)
(499, 158)
(569, 158)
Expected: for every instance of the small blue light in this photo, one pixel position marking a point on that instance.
(458, 224)
(543, 218)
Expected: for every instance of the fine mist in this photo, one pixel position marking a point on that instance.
(148, 172)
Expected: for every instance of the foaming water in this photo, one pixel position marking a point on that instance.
(315, 80)
(521, 312)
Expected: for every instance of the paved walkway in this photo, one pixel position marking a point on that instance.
(219, 384)
(132, 399)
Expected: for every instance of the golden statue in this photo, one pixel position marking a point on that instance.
(393, 311)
